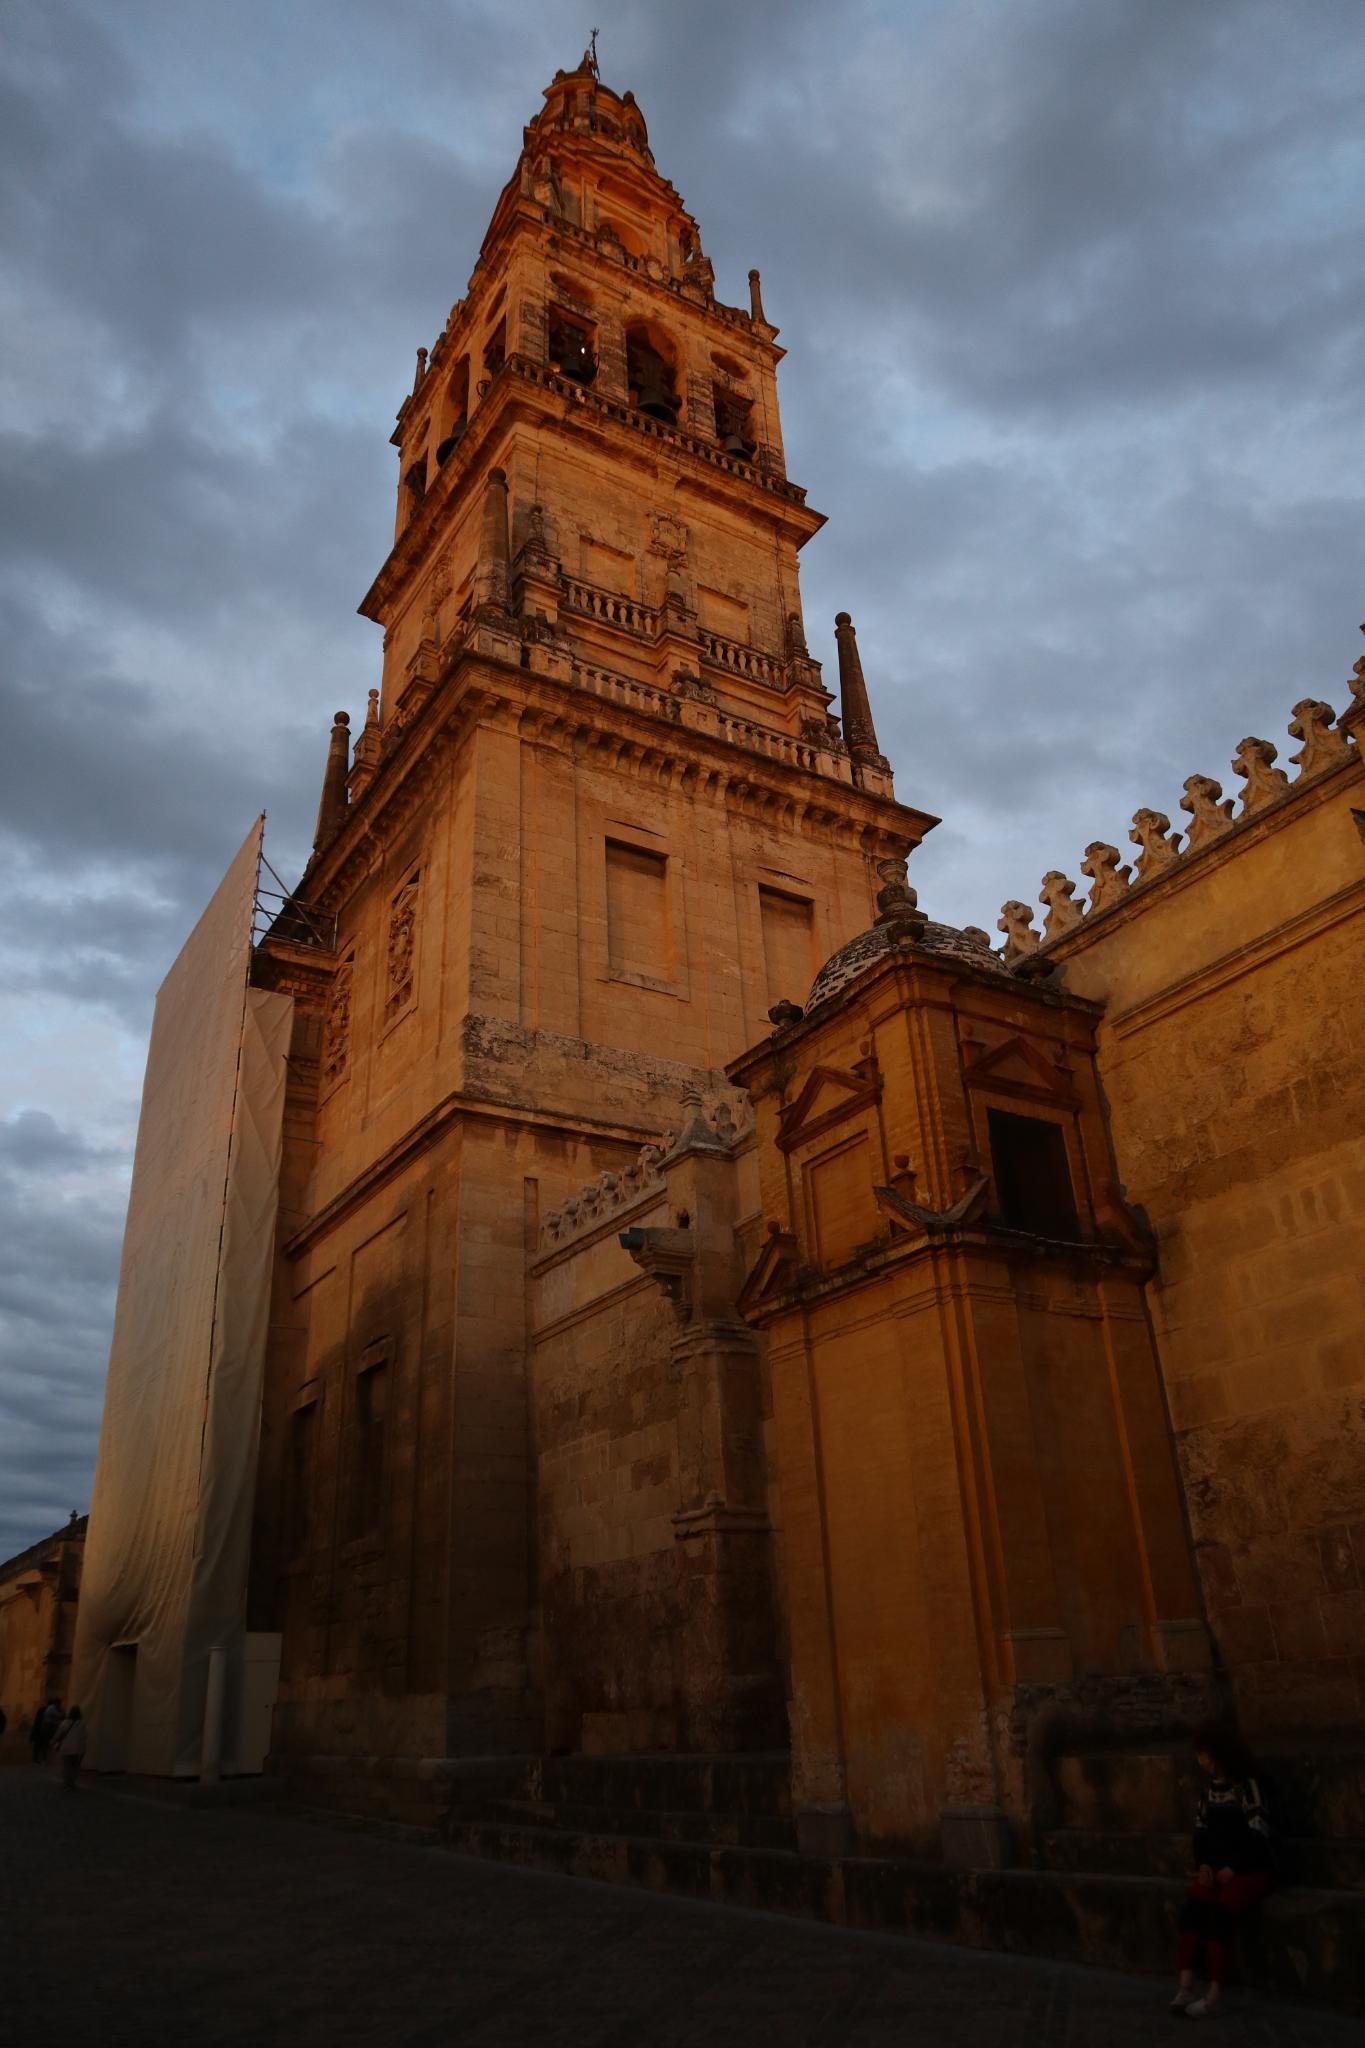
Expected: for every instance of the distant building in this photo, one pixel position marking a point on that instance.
(38, 1593)
(714, 1310)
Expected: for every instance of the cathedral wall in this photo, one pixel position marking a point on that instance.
(358, 1424)
(1233, 1058)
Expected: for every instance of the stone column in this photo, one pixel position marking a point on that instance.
(731, 1688)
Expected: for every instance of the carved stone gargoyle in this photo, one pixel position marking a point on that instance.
(667, 1255)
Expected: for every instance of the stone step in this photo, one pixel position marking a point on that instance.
(755, 1830)
(1312, 1795)
(1307, 1941)
(1331, 1866)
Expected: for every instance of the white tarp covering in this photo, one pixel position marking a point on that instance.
(165, 1571)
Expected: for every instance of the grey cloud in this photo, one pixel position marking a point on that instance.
(31, 1141)
(1074, 315)
(58, 1268)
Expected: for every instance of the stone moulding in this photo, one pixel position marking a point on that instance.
(483, 689)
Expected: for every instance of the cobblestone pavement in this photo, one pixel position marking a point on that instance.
(130, 1919)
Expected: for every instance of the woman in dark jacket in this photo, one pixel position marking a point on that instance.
(1233, 1867)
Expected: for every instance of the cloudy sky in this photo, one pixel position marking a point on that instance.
(1073, 296)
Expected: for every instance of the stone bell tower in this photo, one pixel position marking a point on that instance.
(598, 819)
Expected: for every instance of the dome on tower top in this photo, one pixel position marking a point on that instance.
(578, 100)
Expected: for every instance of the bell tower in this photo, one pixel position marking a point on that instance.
(601, 815)
(593, 448)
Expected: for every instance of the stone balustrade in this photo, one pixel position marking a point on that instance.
(742, 660)
(730, 1117)
(610, 607)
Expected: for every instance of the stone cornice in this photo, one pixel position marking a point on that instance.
(457, 1107)
(810, 1288)
(482, 689)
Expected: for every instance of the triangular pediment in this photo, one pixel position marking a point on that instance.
(828, 1096)
(1017, 1068)
(772, 1272)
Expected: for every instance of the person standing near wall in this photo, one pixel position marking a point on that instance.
(1233, 1873)
(44, 1728)
(72, 1748)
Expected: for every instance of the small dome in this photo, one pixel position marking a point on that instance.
(860, 955)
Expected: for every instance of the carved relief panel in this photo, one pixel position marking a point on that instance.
(336, 1025)
(401, 965)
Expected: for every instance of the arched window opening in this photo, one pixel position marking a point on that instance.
(734, 422)
(416, 481)
(495, 349)
(650, 377)
(456, 413)
(627, 238)
(571, 347)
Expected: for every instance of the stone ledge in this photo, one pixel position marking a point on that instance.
(1306, 1943)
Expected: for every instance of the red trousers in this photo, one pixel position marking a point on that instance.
(1209, 1917)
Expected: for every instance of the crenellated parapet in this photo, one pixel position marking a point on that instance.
(722, 1122)
(1324, 744)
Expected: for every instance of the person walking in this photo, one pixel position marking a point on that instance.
(43, 1729)
(1233, 1867)
(72, 1748)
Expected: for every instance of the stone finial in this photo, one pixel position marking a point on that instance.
(978, 938)
(1254, 760)
(859, 732)
(696, 1131)
(1057, 892)
(1353, 717)
(1108, 881)
(797, 649)
(1321, 743)
(536, 560)
(897, 902)
(1210, 811)
(785, 1014)
(332, 808)
(756, 311)
(1160, 847)
(368, 749)
(421, 368)
(1016, 922)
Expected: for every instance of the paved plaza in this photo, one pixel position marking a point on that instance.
(131, 1918)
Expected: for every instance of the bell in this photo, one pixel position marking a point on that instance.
(735, 444)
(656, 400)
(450, 443)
